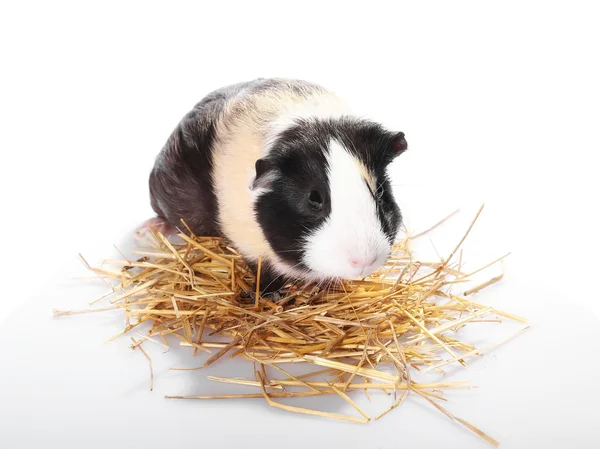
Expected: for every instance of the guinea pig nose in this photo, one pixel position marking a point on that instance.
(361, 262)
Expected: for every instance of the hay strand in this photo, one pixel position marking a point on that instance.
(138, 345)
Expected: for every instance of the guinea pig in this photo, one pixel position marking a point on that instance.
(287, 173)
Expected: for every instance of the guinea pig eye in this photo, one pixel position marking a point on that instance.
(315, 200)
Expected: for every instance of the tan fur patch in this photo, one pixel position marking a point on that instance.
(367, 175)
(233, 170)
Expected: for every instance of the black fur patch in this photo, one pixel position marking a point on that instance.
(299, 159)
(180, 183)
(299, 162)
(181, 180)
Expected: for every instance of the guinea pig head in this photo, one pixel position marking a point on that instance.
(323, 198)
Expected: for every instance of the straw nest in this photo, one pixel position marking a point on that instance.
(378, 333)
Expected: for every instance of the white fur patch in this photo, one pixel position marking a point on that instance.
(353, 230)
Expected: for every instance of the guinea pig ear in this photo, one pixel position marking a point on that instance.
(398, 145)
(265, 174)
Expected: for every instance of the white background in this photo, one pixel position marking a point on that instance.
(499, 102)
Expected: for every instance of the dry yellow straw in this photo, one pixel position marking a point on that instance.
(373, 334)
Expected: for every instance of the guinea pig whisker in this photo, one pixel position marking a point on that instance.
(338, 283)
(322, 283)
(329, 283)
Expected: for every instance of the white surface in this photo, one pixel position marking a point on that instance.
(499, 104)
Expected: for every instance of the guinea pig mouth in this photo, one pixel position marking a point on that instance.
(367, 271)
(333, 256)
(338, 271)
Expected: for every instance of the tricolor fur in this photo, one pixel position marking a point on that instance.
(286, 172)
